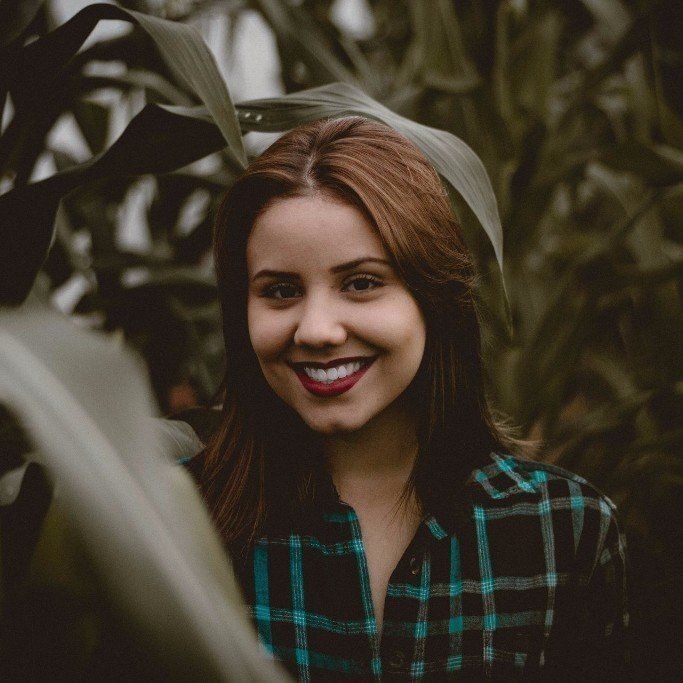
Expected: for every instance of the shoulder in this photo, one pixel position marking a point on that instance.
(510, 492)
(510, 478)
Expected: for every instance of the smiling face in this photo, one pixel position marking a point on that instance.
(303, 309)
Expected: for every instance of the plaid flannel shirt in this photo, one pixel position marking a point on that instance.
(525, 578)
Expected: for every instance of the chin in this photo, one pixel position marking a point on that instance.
(329, 427)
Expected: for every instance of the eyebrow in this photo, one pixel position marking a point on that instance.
(340, 268)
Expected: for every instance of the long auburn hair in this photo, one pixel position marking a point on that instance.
(261, 462)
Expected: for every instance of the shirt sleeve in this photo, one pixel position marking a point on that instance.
(592, 642)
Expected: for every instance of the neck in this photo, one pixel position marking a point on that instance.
(371, 466)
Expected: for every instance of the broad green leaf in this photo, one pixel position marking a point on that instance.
(146, 148)
(93, 120)
(533, 67)
(153, 84)
(444, 61)
(87, 407)
(187, 54)
(451, 157)
(302, 37)
(180, 45)
(158, 140)
(161, 138)
(177, 439)
(26, 230)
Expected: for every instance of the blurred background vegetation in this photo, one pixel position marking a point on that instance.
(574, 106)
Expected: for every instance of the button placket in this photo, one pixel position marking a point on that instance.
(396, 653)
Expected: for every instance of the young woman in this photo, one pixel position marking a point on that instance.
(379, 521)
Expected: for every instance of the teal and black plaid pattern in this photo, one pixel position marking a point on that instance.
(526, 581)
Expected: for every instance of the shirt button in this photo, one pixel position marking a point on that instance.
(415, 565)
(396, 659)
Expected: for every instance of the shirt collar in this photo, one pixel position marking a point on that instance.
(501, 477)
(495, 476)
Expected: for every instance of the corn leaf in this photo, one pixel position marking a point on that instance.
(87, 407)
(180, 45)
(303, 39)
(158, 140)
(444, 62)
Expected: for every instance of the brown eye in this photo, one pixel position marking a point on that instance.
(365, 283)
(281, 287)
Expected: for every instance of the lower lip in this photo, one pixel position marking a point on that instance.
(339, 386)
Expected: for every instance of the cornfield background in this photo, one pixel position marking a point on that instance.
(574, 108)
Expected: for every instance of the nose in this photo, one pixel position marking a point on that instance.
(319, 324)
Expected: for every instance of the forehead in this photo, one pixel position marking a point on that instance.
(310, 232)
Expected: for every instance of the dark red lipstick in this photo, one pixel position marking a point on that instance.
(338, 386)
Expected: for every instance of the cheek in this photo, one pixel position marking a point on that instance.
(402, 329)
(265, 332)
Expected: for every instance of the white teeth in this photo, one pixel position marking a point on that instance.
(331, 374)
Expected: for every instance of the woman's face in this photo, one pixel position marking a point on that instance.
(315, 298)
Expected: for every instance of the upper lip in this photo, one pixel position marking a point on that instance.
(329, 364)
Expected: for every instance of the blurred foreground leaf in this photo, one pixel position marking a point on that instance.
(86, 407)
